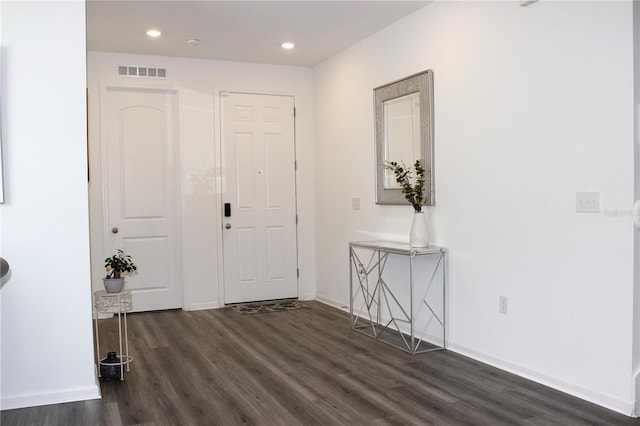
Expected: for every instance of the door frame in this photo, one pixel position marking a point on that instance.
(636, 189)
(218, 96)
(98, 196)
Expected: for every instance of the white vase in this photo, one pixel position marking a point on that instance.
(113, 285)
(419, 236)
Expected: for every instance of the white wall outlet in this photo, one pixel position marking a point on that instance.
(587, 202)
(503, 305)
(355, 203)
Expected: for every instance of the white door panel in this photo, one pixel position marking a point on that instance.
(260, 261)
(139, 132)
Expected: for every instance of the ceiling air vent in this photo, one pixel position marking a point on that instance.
(130, 71)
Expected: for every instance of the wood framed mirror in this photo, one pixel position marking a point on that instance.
(404, 133)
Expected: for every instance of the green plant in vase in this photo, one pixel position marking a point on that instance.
(413, 192)
(119, 264)
(116, 266)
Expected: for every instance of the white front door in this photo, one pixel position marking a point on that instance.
(139, 128)
(259, 221)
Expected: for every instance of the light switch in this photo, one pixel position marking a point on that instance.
(355, 203)
(587, 202)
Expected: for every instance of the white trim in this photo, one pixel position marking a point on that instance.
(623, 406)
(333, 303)
(54, 397)
(217, 149)
(202, 306)
(636, 412)
(306, 296)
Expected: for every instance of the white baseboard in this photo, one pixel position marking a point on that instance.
(637, 391)
(619, 405)
(201, 306)
(55, 397)
(623, 406)
(308, 297)
(332, 303)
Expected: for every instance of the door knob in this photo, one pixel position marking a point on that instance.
(114, 230)
(4, 267)
(227, 226)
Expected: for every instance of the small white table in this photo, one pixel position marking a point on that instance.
(386, 312)
(114, 303)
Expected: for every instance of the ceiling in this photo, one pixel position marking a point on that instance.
(244, 31)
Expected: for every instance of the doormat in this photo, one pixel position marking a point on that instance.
(266, 307)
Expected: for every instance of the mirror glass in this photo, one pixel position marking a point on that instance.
(401, 133)
(404, 133)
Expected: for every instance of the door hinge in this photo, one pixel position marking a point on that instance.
(298, 272)
(296, 219)
(294, 112)
(295, 166)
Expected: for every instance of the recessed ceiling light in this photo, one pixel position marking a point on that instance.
(154, 33)
(288, 45)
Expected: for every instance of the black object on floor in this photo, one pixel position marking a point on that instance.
(110, 367)
(266, 307)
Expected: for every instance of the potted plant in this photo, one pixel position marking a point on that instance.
(413, 190)
(116, 266)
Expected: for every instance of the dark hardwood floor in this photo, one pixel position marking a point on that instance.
(303, 367)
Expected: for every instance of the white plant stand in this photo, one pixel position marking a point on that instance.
(119, 304)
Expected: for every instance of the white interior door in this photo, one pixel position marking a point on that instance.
(139, 128)
(259, 234)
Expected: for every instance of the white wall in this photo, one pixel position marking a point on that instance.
(531, 105)
(198, 82)
(47, 345)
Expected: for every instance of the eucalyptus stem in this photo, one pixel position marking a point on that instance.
(413, 193)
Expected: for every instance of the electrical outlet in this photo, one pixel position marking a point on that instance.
(503, 305)
(587, 202)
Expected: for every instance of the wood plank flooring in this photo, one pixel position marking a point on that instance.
(303, 367)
